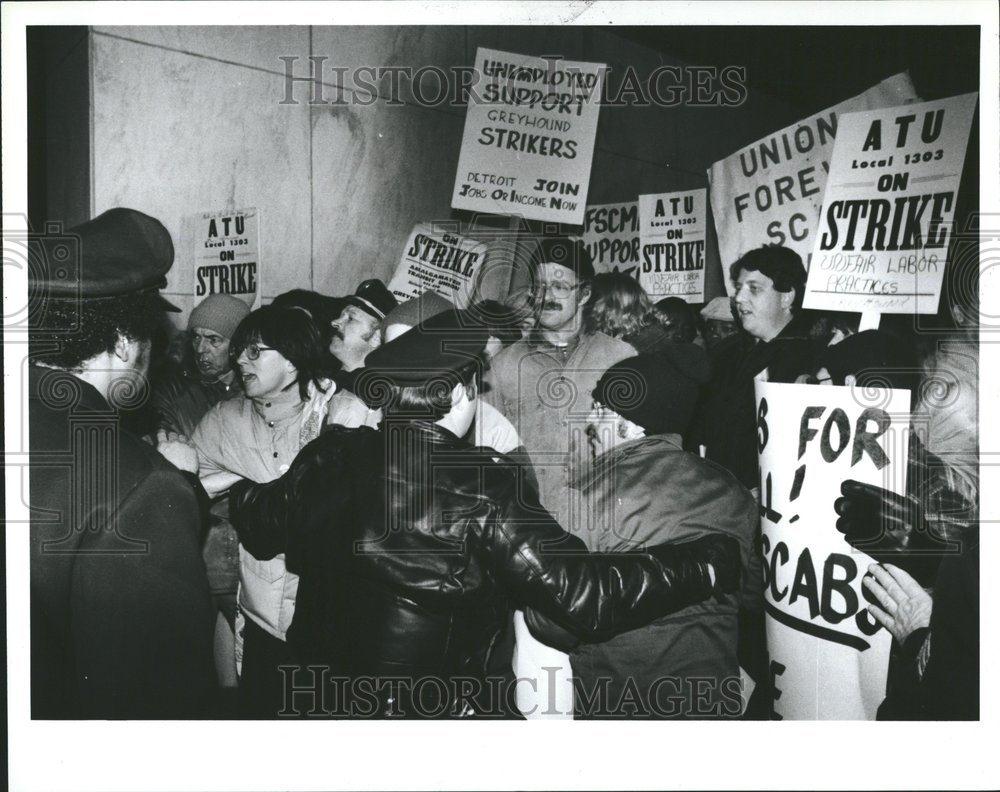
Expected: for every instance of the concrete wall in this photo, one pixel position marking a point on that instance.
(190, 119)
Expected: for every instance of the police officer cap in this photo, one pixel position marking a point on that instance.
(119, 252)
(420, 355)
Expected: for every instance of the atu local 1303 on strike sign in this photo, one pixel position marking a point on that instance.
(770, 191)
(226, 254)
(611, 236)
(882, 242)
(829, 657)
(672, 253)
(530, 128)
(439, 260)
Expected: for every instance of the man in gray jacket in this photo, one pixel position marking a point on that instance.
(644, 489)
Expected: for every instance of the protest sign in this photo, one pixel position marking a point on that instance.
(530, 127)
(226, 254)
(770, 191)
(829, 657)
(439, 260)
(882, 242)
(611, 236)
(672, 260)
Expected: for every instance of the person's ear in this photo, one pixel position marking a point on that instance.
(123, 348)
(457, 393)
(583, 295)
(787, 299)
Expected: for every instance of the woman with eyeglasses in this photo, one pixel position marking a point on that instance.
(278, 354)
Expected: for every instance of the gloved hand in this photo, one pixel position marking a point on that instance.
(723, 553)
(890, 528)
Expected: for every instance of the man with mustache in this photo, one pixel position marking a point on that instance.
(353, 334)
(542, 383)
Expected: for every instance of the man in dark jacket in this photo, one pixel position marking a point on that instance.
(769, 284)
(644, 489)
(121, 618)
(413, 547)
(181, 403)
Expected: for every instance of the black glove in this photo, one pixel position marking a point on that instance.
(719, 550)
(891, 529)
(723, 553)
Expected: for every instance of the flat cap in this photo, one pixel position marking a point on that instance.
(119, 252)
(419, 356)
(413, 312)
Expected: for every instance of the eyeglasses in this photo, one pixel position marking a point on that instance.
(252, 351)
(558, 288)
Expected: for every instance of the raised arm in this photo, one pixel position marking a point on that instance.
(593, 597)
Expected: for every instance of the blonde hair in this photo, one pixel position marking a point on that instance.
(618, 306)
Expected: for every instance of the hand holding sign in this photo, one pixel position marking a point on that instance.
(905, 605)
(890, 527)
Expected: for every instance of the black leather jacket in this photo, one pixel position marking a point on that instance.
(412, 547)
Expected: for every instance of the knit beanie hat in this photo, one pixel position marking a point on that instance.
(219, 313)
(659, 390)
(566, 252)
(413, 312)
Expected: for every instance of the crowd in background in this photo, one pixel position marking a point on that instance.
(618, 431)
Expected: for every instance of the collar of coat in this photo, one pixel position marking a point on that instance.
(608, 460)
(58, 389)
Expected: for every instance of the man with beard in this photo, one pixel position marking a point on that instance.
(413, 546)
(542, 383)
(121, 618)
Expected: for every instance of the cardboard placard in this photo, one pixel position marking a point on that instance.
(829, 657)
(882, 243)
(528, 144)
(436, 259)
(672, 258)
(611, 236)
(226, 256)
(770, 191)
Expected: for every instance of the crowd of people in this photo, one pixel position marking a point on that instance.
(543, 507)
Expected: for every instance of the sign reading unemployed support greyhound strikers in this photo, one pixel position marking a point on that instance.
(611, 236)
(886, 222)
(829, 657)
(439, 260)
(673, 245)
(530, 127)
(770, 191)
(226, 254)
